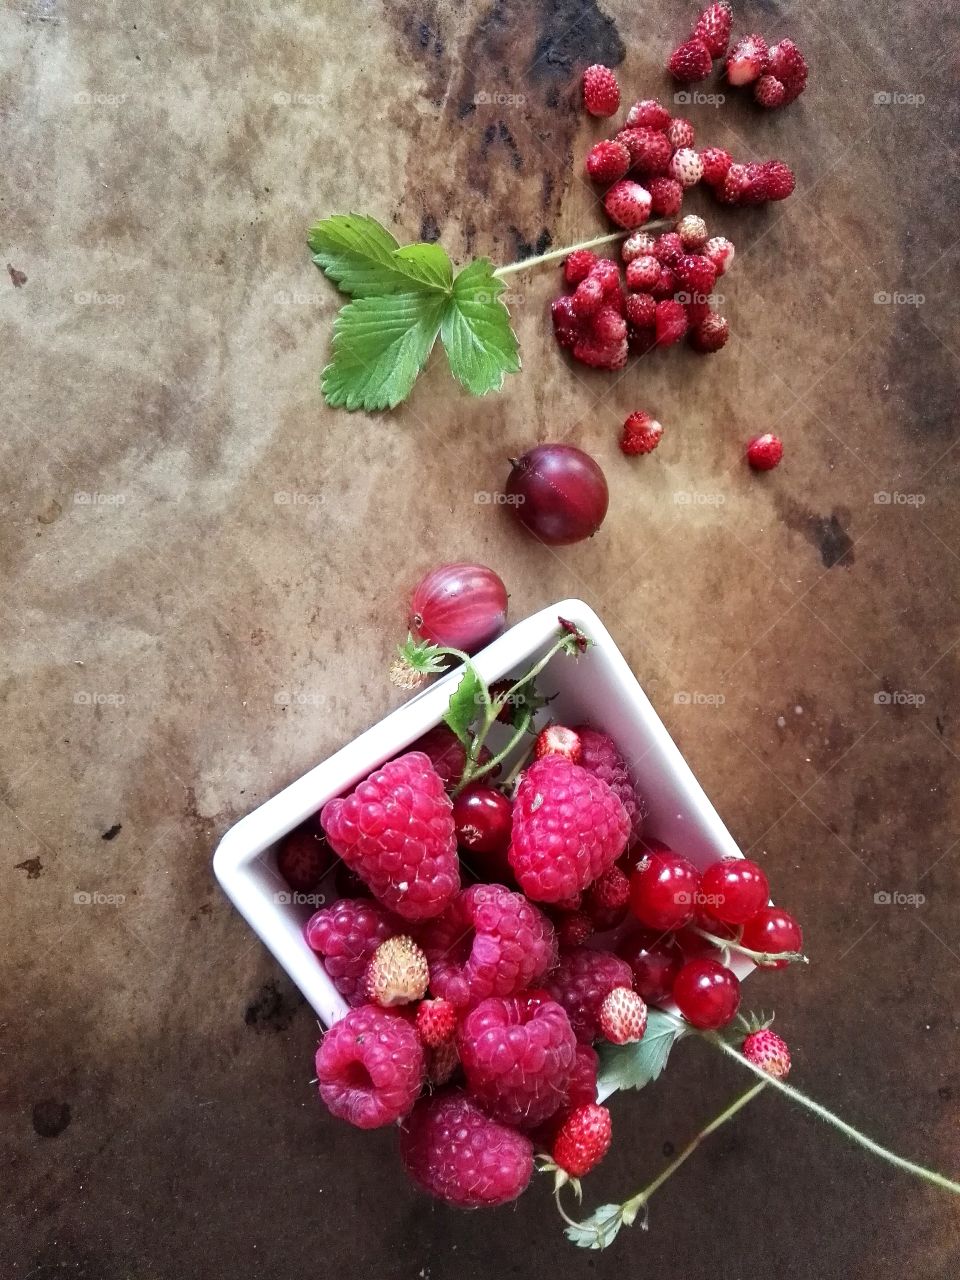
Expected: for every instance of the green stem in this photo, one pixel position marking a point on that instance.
(759, 957)
(471, 774)
(556, 254)
(929, 1175)
(519, 764)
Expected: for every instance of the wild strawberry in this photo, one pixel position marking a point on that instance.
(608, 273)
(769, 91)
(778, 180)
(641, 310)
(587, 297)
(713, 27)
(583, 1140)
(436, 1022)
(671, 322)
(397, 973)
(668, 248)
(666, 197)
(690, 62)
(692, 230)
(789, 66)
(667, 283)
(601, 93)
(680, 133)
(696, 273)
(579, 265)
(641, 434)
(710, 334)
(764, 452)
(730, 191)
(716, 162)
(648, 113)
(590, 352)
(612, 889)
(650, 151)
(608, 326)
(720, 251)
(574, 928)
(608, 161)
(623, 1016)
(768, 1051)
(635, 246)
(616, 299)
(686, 167)
(628, 204)
(567, 325)
(442, 1063)
(643, 273)
(747, 60)
(697, 307)
(557, 739)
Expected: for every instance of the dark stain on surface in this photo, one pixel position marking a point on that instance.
(429, 229)
(111, 833)
(50, 1117)
(273, 1009)
(33, 867)
(18, 277)
(827, 533)
(524, 248)
(573, 34)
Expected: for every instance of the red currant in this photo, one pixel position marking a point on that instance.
(483, 818)
(733, 890)
(707, 994)
(772, 929)
(655, 959)
(663, 890)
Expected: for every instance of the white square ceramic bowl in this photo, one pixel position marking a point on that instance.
(598, 688)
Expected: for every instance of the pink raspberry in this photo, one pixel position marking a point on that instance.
(457, 1153)
(396, 831)
(518, 1058)
(568, 828)
(346, 935)
(602, 758)
(581, 981)
(448, 754)
(489, 942)
(370, 1067)
(581, 1092)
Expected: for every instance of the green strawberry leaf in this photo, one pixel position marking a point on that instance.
(465, 703)
(631, 1066)
(599, 1230)
(427, 263)
(476, 333)
(364, 260)
(379, 347)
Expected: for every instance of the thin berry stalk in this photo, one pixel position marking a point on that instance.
(759, 957)
(492, 763)
(555, 254)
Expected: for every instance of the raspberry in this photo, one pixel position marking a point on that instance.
(346, 935)
(608, 326)
(557, 740)
(397, 973)
(582, 1088)
(686, 167)
(643, 273)
(567, 326)
(623, 1016)
(627, 204)
(517, 1059)
(747, 60)
(690, 62)
(764, 452)
(666, 197)
(370, 1067)
(489, 942)
(671, 322)
(583, 1140)
(713, 27)
(396, 830)
(668, 248)
(579, 265)
(710, 334)
(692, 231)
(447, 753)
(730, 191)
(649, 113)
(608, 161)
(768, 1051)
(598, 356)
(458, 1154)
(587, 297)
(601, 757)
(720, 251)
(716, 162)
(789, 66)
(581, 980)
(641, 434)
(649, 149)
(769, 91)
(695, 272)
(568, 828)
(641, 310)
(436, 1022)
(601, 93)
(680, 133)
(574, 928)
(637, 245)
(303, 859)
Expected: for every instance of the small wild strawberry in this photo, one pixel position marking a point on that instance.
(764, 452)
(397, 973)
(579, 265)
(710, 333)
(601, 93)
(628, 204)
(768, 1051)
(608, 161)
(690, 62)
(583, 1140)
(436, 1022)
(641, 434)
(557, 739)
(747, 60)
(623, 1016)
(713, 27)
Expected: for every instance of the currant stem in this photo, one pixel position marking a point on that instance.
(555, 254)
(760, 957)
(929, 1175)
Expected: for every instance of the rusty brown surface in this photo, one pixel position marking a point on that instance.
(162, 328)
